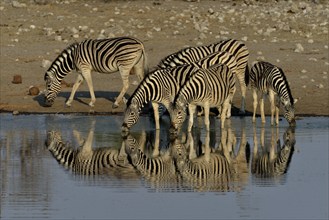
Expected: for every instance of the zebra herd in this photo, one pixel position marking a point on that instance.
(196, 76)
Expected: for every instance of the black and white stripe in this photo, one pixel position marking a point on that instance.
(85, 161)
(213, 87)
(124, 54)
(273, 160)
(159, 170)
(192, 54)
(161, 86)
(270, 80)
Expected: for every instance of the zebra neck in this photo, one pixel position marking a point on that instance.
(64, 63)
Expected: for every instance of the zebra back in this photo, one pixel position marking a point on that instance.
(194, 54)
(109, 55)
(213, 85)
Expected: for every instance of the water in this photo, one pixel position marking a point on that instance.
(35, 185)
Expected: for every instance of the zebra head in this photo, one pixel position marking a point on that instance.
(53, 86)
(178, 151)
(131, 115)
(178, 115)
(289, 113)
(53, 138)
(132, 148)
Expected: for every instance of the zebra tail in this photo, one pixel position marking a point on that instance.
(246, 75)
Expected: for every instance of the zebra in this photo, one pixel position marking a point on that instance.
(124, 54)
(213, 87)
(192, 54)
(85, 160)
(161, 86)
(273, 161)
(267, 78)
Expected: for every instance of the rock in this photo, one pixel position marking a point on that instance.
(45, 63)
(299, 48)
(17, 79)
(17, 4)
(15, 112)
(34, 91)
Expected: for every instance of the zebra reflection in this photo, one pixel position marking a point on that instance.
(215, 169)
(272, 162)
(156, 167)
(85, 160)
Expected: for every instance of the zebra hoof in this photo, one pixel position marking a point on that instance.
(115, 106)
(68, 105)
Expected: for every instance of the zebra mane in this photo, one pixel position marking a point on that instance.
(291, 99)
(63, 56)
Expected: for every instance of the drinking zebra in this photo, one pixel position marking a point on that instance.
(232, 46)
(273, 160)
(213, 87)
(161, 86)
(85, 160)
(270, 80)
(124, 54)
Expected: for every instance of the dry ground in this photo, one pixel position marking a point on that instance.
(292, 35)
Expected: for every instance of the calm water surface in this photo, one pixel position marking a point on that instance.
(35, 185)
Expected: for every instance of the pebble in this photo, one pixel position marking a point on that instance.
(299, 48)
(33, 90)
(17, 4)
(320, 86)
(45, 64)
(17, 79)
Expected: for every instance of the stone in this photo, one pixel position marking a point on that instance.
(17, 79)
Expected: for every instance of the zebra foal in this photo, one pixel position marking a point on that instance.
(161, 86)
(213, 87)
(124, 54)
(270, 80)
(193, 54)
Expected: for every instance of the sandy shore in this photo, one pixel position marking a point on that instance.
(292, 35)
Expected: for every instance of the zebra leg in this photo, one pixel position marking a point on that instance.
(231, 95)
(255, 103)
(206, 117)
(226, 104)
(243, 91)
(87, 76)
(191, 109)
(277, 109)
(262, 113)
(156, 115)
(75, 87)
(124, 76)
(271, 98)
